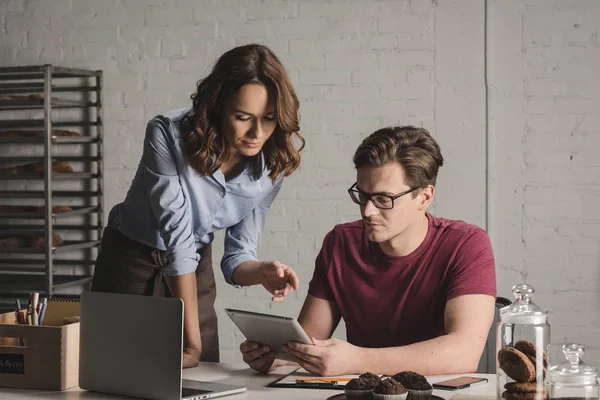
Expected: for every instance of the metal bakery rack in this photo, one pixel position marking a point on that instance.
(51, 180)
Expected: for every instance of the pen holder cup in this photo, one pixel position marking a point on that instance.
(38, 357)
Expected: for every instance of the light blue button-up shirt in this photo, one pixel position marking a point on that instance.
(169, 206)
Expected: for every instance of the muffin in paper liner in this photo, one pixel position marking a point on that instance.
(419, 394)
(361, 388)
(378, 396)
(364, 394)
(390, 389)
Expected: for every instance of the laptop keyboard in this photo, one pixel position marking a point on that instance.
(189, 392)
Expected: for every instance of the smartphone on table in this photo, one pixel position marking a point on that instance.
(462, 382)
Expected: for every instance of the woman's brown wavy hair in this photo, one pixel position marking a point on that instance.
(207, 149)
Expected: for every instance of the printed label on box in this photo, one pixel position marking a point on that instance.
(12, 364)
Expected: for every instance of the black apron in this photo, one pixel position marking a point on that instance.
(126, 266)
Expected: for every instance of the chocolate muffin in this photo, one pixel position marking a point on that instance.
(389, 389)
(359, 384)
(370, 379)
(417, 385)
(361, 388)
(412, 380)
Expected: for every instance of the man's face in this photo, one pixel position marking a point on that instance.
(382, 225)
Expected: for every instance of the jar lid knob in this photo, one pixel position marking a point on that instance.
(523, 291)
(573, 353)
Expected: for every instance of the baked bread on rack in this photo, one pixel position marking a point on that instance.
(33, 96)
(57, 166)
(55, 132)
(37, 241)
(11, 242)
(33, 209)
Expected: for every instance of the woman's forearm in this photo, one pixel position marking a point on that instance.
(184, 287)
(249, 273)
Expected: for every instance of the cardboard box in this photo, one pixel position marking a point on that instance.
(38, 357)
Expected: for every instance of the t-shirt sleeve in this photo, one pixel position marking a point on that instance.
(319, 285)
(474, 269)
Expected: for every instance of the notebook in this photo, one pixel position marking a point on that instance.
(59, 308)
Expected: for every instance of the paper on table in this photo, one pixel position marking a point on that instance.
(303, 374)
(472, 397)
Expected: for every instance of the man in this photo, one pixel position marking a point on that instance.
(416, 292)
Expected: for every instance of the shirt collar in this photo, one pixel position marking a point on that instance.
(249, 174)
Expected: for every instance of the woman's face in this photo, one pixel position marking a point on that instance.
(249, 119)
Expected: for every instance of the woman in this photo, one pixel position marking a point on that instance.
(218, 165)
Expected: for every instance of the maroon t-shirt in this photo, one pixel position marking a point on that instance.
(395, 301)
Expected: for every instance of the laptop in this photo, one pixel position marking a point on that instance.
(132, 345)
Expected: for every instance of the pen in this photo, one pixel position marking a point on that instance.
(43, 312)
(18, 304)
(315, 385)
(323, 380)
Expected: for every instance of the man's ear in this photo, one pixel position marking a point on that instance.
(426, 197)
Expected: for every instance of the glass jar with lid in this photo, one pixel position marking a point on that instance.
(573, 379)
(523, 342)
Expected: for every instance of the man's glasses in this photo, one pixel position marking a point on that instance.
(382, 201)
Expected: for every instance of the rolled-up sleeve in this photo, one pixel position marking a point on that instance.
(241, 240)
(166, 197)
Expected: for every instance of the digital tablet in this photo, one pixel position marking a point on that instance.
(271, 330)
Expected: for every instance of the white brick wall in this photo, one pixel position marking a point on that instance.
(562, 71)
(359, 65)
(544, 58)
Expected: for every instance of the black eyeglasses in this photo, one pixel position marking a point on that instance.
(382, 201)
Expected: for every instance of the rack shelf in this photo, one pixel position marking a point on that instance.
(30, 159)
(41, 72)
(55, 176)
(37, 87)
(5, 124)
(32, 229)
(39, 194)
(37, 215)
(55, 140)
(20, 285)
(37, 266)
(68, 245)
(39, 104)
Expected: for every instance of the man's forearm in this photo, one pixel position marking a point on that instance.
(448, 354)
(248, 273)
(184, 287)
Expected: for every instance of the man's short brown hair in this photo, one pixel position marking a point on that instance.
(414, 148)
